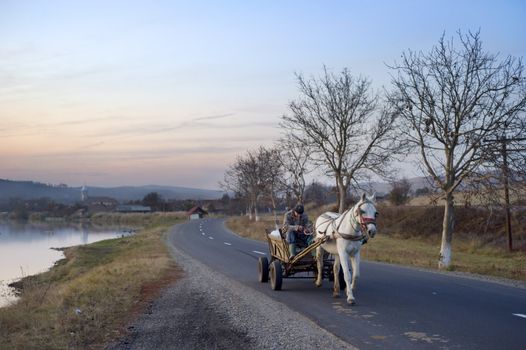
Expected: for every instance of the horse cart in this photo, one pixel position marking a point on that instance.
(281, 265)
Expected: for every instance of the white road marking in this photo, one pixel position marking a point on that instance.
(227, 243)
(520, 315)
(210, 237)
(255, 251)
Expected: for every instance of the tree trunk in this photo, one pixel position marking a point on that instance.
(273, 200)
(342, 194)
(337, 195)
(249, 212)
(447, 233)
(255, 207)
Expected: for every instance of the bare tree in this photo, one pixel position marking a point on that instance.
(338, 116)
(251, 170)
(235, 180)
(450, 100)
(253, 176)
(294, 159)
(272, 174)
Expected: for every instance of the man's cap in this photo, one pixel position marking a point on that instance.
(299, 209)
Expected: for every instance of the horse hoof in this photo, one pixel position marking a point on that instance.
(335, 295)
(317, 284)
(351, 302)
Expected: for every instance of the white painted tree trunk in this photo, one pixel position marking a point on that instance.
(342, 195)
(273, 199)
(447, 233)
(249, 212)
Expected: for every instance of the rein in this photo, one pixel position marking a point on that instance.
(358, 225)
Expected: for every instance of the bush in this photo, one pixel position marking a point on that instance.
(399, 194)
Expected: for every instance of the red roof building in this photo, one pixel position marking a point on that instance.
(196, 213)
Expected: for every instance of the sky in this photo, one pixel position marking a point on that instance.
(111, 93)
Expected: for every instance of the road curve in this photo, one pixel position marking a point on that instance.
(398, 307)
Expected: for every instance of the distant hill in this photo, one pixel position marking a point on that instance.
(167, 192)
(64, 194)
(383, 188)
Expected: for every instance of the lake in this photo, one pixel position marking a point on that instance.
(25, 249)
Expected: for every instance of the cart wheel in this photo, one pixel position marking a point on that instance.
(263, 269)
(276, 275)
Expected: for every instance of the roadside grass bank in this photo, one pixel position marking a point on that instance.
(86, 299)
(106, 218)
(412, 238)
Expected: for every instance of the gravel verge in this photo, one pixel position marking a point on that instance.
(224, 315)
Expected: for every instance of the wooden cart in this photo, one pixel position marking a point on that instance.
(282, 266)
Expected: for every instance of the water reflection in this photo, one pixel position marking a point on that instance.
(25, 248)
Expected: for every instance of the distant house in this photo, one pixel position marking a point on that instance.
(196, 213)
(127, 208)
(100, 204)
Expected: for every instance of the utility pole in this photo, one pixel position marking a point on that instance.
(506, 182)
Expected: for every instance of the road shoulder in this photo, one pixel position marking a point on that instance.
(208, 310)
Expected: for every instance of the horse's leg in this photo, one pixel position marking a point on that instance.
(335, 272)
(355, 263)
(319, 265)
(344, 261)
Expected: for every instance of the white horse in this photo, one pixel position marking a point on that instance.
(344, 234)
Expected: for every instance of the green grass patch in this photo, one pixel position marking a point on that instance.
(88, 297)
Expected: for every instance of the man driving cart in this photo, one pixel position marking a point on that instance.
(296, 222)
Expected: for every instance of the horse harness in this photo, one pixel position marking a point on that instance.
(362, 222)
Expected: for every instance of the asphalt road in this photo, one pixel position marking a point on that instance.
(398, 307)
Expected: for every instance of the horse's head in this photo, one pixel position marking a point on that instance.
(367, 214)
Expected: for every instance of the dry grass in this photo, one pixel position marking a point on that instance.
(411, 236)
(480, 227)
(143, 219)
(86, 299)
(250, 229)
(424, 253)
(517, 196)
